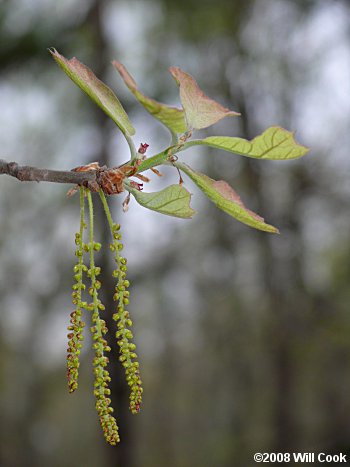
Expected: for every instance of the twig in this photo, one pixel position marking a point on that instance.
(26, 173)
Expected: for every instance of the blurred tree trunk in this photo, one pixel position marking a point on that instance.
(280, 314)
(120, 455)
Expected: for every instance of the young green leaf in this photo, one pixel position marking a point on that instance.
(274, 143)
(225, 198)
(173, 201)
(172, 117)
(101, 94)
(200, 110)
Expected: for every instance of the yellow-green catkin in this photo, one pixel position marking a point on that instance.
(98, 330)
(75, 328)
(128, 356)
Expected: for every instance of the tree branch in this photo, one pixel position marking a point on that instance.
(26, 173)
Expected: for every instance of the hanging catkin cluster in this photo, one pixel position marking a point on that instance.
(122, 317)
(98, 325)
(75, 328)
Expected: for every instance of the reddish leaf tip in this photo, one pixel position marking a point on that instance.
(231, 195)
(99, 92)
(201, 111)
(129, 80)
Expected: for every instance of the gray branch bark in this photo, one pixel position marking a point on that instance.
(26, 173)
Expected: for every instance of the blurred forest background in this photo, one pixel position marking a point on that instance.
(243, 337)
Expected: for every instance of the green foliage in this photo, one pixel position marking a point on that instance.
(226, 199)
(198, 111)
(172, 117)
(173, 201)
(101, 94)
(274, 143)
